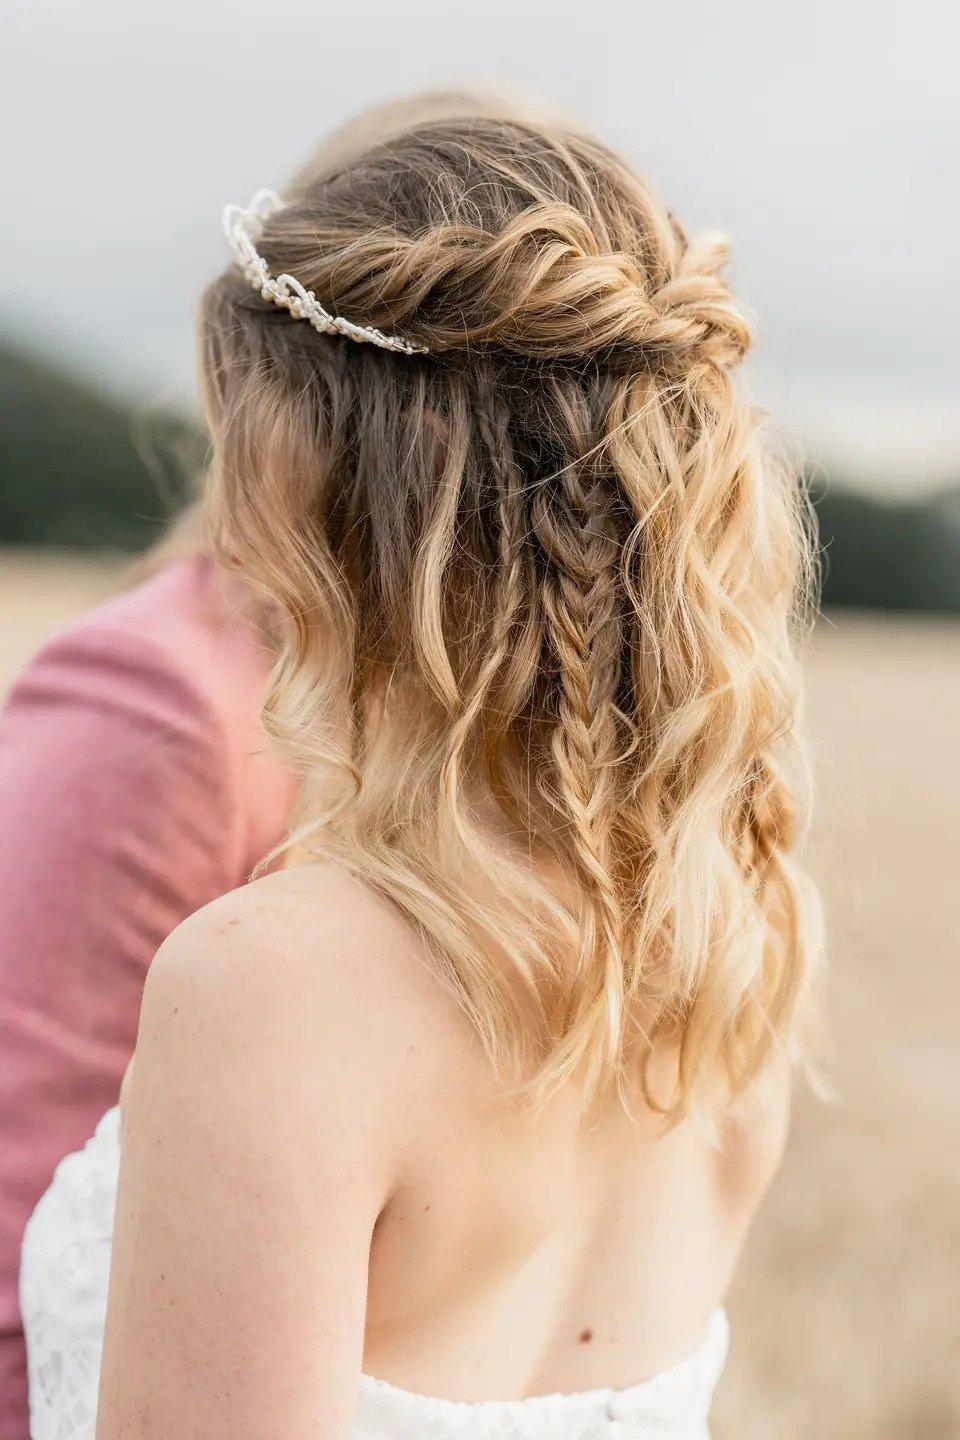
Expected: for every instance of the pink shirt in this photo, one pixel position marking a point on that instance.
(135, 786)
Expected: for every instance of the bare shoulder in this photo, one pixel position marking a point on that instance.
(309, 934)
(304, 979)
(266, 1130)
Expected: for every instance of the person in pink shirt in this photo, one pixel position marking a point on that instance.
(135, 787)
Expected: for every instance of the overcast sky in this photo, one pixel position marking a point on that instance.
(823, 136)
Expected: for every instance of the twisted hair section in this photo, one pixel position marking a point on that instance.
(537, 595)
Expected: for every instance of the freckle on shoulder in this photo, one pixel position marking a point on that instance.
(305, 953)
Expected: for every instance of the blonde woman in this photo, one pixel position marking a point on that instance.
(456, 1128)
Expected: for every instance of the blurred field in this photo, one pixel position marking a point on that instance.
(39, 591)
(846, 1318)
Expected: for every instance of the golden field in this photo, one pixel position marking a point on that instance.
(846, 1311)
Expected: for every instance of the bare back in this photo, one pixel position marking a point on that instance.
(322, 1178)
(527, 1253)
(511, 1252)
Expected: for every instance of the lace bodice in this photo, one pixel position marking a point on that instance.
(65, 1270)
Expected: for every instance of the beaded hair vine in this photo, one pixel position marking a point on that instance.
(243, 227)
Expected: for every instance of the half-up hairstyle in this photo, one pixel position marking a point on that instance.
(536, 593)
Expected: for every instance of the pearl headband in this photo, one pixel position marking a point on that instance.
(242, 227)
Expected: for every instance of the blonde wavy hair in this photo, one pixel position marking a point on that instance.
(537, 594)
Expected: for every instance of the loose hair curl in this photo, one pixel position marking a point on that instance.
(536, 594)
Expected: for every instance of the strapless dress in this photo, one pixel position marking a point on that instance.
(63, 1293)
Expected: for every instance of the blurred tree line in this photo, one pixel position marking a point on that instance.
(78, 469)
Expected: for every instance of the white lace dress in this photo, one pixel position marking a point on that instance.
(63, 1292)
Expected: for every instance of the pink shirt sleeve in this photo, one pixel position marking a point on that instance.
(116, 800)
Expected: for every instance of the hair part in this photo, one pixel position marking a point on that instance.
(537, 595)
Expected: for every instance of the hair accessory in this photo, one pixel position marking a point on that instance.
(243, 227)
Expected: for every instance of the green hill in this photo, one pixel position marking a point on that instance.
(79, 469)
(889, 555)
